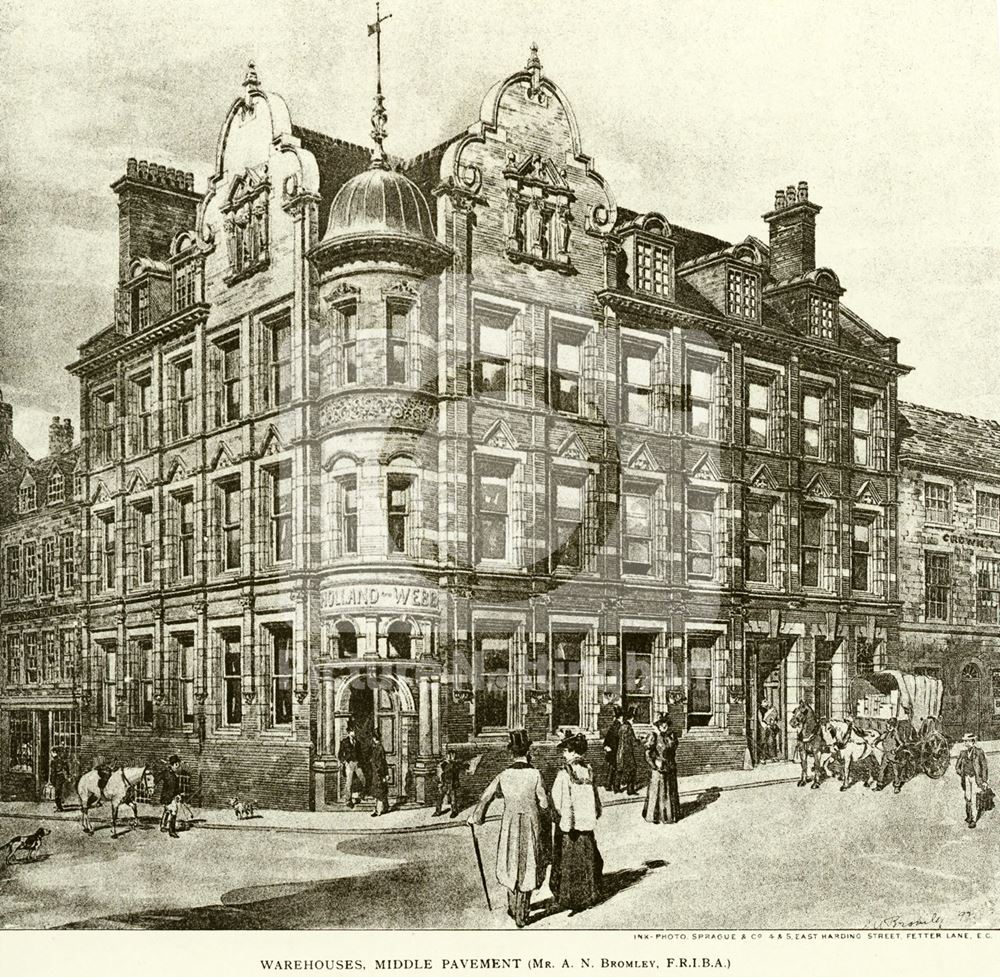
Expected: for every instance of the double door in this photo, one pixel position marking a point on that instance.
(374, 705)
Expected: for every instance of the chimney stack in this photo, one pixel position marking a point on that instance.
(6, 426)
(60, 436)
(793, 232)
(155, 203)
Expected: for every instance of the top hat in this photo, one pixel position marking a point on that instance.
(518, 742)
(969, 738)
(630, 712)
(618, 712)
(174, 758)
(662, 720)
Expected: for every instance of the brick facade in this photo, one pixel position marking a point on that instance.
(949, 506)
(501, 453)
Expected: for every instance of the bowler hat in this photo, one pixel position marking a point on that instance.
(630, 712)
(518, 742)
(662, 720)
(174, 758)
(969, 738)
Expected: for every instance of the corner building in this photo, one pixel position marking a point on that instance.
(458, 443)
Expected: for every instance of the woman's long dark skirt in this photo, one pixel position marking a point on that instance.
(577, 867)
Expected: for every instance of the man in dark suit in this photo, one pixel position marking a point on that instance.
(379, 768)
(971, 768)
(170, 795)
(350, 758)
(891, 741)
(611, 751)
(449, 782)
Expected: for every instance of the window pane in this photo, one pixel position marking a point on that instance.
(700, 383)
(493, 335)
(638, 370)
(637, 407)
(638, 515)
(811, 407)
(567, 356)
(758, 395)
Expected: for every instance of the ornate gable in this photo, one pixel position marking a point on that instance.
(573, 448)
(135, 481)
(100, 493)
(869, 494)
(763, 479)
(500, 436)
(272, 443)
(819, 487)
(642, 459)
(707, 468)
(222, 459)
(176, 471)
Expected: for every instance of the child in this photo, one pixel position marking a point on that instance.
(449, 783)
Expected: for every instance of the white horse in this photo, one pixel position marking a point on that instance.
(119, 789)
(855, 746)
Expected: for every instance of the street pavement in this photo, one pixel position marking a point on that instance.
(775, 856)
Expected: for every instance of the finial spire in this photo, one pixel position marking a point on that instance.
(379, 114)
(250, 79)
(533, 61)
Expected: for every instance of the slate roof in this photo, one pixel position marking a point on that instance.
(943, 438)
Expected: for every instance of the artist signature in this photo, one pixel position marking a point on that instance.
(921, 921)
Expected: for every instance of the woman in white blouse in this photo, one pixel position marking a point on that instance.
(576, 860)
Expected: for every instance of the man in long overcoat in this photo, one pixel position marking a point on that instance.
(611, 751)
(379, 769)
(971, 768)
(523, 846)
(350, 757)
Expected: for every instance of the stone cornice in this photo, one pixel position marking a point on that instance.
(428, 256)
(660, 309)
(174, 325)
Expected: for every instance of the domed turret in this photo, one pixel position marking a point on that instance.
(380, 201)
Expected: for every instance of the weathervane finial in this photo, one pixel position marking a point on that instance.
(379, 114)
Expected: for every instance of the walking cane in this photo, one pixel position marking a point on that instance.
(479, 861)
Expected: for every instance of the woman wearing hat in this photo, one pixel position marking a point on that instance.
(662, 799)
(522, 849)
(576, 861)
(626, 753)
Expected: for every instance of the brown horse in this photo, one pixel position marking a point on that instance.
(120, 788)
(810, 744)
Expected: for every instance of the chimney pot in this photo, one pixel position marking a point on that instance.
(790, 194)
(143, 170)
(131, 166)
(803, 190)
(779, 199)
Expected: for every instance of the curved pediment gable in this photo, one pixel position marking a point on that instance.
(527, 137)
(255, 141)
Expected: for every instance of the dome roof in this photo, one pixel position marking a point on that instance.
(380, 201)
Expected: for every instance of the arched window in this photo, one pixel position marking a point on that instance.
(972, 672)
(400, 640)
(345, 640)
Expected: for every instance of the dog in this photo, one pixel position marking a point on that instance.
(27, 843)
(242, 809)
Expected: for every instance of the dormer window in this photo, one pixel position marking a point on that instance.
(742, 294)
(139, 307)
(57, 487)
(26, 498)
(822, 317)
(653, 270)
(246, 226)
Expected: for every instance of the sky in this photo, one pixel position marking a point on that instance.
(697, 109)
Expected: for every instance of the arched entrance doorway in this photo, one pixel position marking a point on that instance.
(973, 700)
(376, 702)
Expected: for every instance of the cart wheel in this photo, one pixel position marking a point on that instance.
(937, 767)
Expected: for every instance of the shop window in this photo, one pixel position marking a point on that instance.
(281, 675)
(567, 659)
(493, 665)
(637, 684)
(700, 651)
(21, 739)
(232, 677)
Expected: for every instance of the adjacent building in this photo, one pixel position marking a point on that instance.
(453, 444)
(39, 616)
(949, 542)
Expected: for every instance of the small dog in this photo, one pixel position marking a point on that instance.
(242, 809)
(27, 843)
